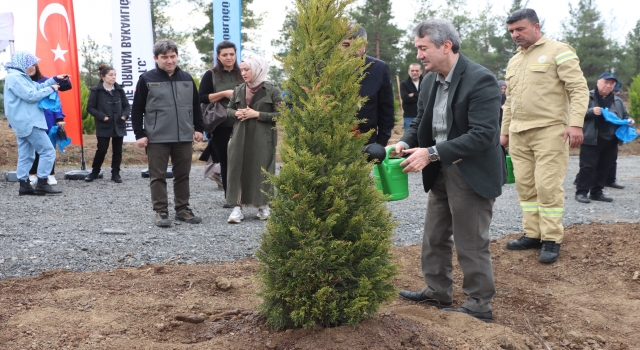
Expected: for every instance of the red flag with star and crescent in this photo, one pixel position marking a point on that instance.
(58, 52)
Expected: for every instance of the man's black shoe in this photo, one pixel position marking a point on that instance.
(524, 243)
(482, 316)
(582, 198)
(616, 185)
(600, 197)
(549, 252)
(115, 177)
(420, 297)
(228, 206)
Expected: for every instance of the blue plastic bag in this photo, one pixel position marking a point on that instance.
(52, 103)
(56, 141)
(625, 132)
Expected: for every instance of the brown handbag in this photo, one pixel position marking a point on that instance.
(214, 113)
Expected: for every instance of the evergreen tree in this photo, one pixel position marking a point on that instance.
(93, 55)
(409, 53)
(88, 122)
(634, 97)
(629, 56)
(484, 35)
(203, 37)
(584, 31)
(382, 35)
(276, 73)
(325, 256)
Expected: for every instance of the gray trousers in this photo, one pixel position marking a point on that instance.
(454, 208)
(158, 156)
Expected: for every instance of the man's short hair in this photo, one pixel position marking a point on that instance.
(359, 33)
(163, 45)
(438, 31)
(415, 64)
(519, 15)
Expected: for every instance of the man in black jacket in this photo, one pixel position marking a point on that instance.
(376, 85)
(166, 99)
(454, 141)
(409, 90)
(599, 150)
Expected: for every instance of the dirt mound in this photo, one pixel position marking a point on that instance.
(588, 300)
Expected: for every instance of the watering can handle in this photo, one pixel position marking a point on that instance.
(389, 150)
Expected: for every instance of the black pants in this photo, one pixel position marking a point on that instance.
(219, 143)
(611, 176)
(34, 167)
(595, 163)
(103, 146)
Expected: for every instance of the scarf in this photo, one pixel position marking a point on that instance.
(21, 60)
(259, 69)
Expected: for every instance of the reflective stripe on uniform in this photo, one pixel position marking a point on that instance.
(529, 206)
(551, 212)
(565, 56)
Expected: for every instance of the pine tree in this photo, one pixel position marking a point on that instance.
(634, 97)
(584, 31)
(629, 56)
(382, 35)
(325, 255)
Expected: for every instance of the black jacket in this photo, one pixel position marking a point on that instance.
(591, 120)
(473, 135)
(168, 105)
(114, 105)
(409, 104)
(378, 110)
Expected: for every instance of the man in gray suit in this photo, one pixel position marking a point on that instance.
(454, 141)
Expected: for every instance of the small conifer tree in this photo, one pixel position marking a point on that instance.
(325, 256)
(634, 97)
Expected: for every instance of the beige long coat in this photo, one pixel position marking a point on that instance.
(252, 146)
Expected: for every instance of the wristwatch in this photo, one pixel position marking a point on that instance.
(433, 154)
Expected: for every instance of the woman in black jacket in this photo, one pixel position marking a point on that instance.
(227, 77)
(109, 106)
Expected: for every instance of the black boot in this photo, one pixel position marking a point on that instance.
(93, 176)
(43, 187)
(115, 177)
(25, 188)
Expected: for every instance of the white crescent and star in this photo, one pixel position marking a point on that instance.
(49, 10)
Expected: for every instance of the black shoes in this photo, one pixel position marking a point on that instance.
(93, 176)
(482, 316)
(549, 252)
(600, 197)
(582, 198)
(524, 243)
(420, 297)
(228, 206)
(115, 177)
(25, 188)
(616, 186)
(43, 187)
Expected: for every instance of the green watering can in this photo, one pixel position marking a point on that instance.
(510, 177)
(390, 179)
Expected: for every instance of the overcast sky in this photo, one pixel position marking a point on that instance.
(93, 17)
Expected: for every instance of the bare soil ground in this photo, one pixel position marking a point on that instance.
(589, 299)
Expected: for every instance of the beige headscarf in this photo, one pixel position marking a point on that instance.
(259, 69)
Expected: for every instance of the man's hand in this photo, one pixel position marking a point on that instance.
(123, 117)
(106, 118)
(55, 87)
(575, 136)
(410, 95)
(197, 135)
(597, 110)
(504, 140)
(418, 159)
(399, 150)
(631, 122)
(60, 123)
(143, 142)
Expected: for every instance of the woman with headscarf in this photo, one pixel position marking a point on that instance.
(21, 97)
(253, 141)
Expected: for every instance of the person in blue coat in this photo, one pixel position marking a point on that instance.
(21, 97)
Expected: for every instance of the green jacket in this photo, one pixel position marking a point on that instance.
(252, 146)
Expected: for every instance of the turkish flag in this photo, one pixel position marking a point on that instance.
(58, 52)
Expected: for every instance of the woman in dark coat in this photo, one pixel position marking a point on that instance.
(109, 106)
(227, 77)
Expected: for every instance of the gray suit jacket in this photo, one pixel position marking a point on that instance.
(473, 134)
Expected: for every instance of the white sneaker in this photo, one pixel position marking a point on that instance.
(236, 216)
(33, 179)
(263, 213)
(52, 180)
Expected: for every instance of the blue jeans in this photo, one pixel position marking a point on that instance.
(407, 122)
(37, 141)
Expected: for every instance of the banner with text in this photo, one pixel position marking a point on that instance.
(132, 46)
(227, 24)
